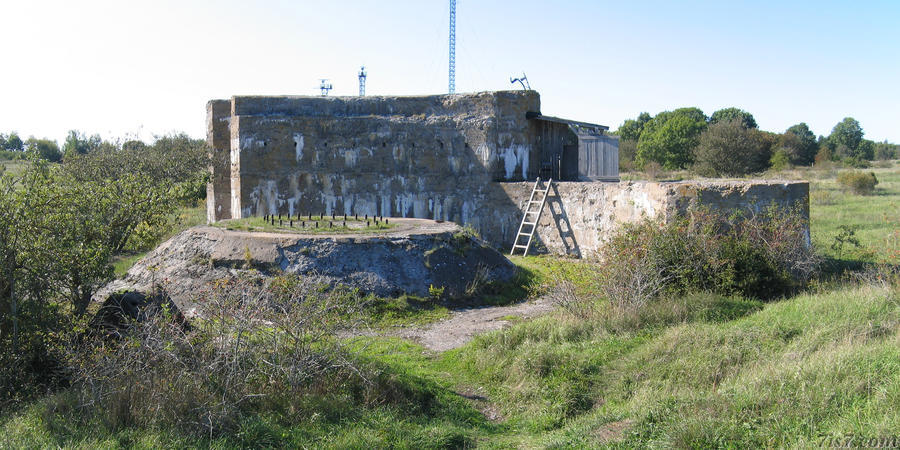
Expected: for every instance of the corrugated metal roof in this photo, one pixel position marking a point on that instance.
(539, 116)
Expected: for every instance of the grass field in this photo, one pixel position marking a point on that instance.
(13, 167)
(726, 372)
(874, 219)
(307, 224)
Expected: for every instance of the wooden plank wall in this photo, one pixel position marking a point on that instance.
(598, 158)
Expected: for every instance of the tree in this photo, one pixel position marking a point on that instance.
(847, 133)
(59, 226)
(133, 145)
(885, 150)
(670, 137)
(799, 143)
(78, 143)
(13, 143)
(865, 150)
(69, 219)
(632, 128)
(727, 114)
(731, 149)
(44, 149)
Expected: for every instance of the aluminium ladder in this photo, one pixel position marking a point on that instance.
(531, 221)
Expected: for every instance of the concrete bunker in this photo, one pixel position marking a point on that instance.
(465, 158)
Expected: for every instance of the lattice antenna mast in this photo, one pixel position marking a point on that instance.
(325, 86)
(452, 87)
(362, 81)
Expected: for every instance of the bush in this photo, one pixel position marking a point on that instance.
(854, 162)
(780, 160)
(823, 157)
(730, 149)
(858, 182)
(259, 347)
(762, 255)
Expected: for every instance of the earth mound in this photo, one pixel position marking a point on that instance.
(411, 257)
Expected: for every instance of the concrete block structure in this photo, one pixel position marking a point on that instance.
(465, 158)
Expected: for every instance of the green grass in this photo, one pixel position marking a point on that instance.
(545, 271)
(405, 311)
(14, 167)
(318, 224)
(875, 218)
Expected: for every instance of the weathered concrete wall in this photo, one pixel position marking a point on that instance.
(579, 217)
(218, 135)
(401, 156)
(435, 157)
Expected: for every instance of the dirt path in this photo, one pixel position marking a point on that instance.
(464, 324)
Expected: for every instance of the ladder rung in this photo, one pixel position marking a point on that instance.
(532, 201)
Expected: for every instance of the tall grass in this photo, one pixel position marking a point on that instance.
(815, 365)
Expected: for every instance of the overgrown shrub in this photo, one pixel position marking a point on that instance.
(823, 158)
(858, 182)
(756, 255)
(780, 160)
(258, 347)
(729, 149)
(855, 162)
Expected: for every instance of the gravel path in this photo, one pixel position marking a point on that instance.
(464, 324)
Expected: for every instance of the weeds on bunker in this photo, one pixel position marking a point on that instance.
(307, 225)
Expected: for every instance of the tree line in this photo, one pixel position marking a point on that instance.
(77, 143)
(730, 143)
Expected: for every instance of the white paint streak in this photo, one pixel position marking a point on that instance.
(351, 157)
(298, 145)
(514, 157)
(265, 198)
(386, 205)
(484, 155)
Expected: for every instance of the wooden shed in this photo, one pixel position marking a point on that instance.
(575, 151)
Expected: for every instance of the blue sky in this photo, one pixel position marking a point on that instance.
(122, 68)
